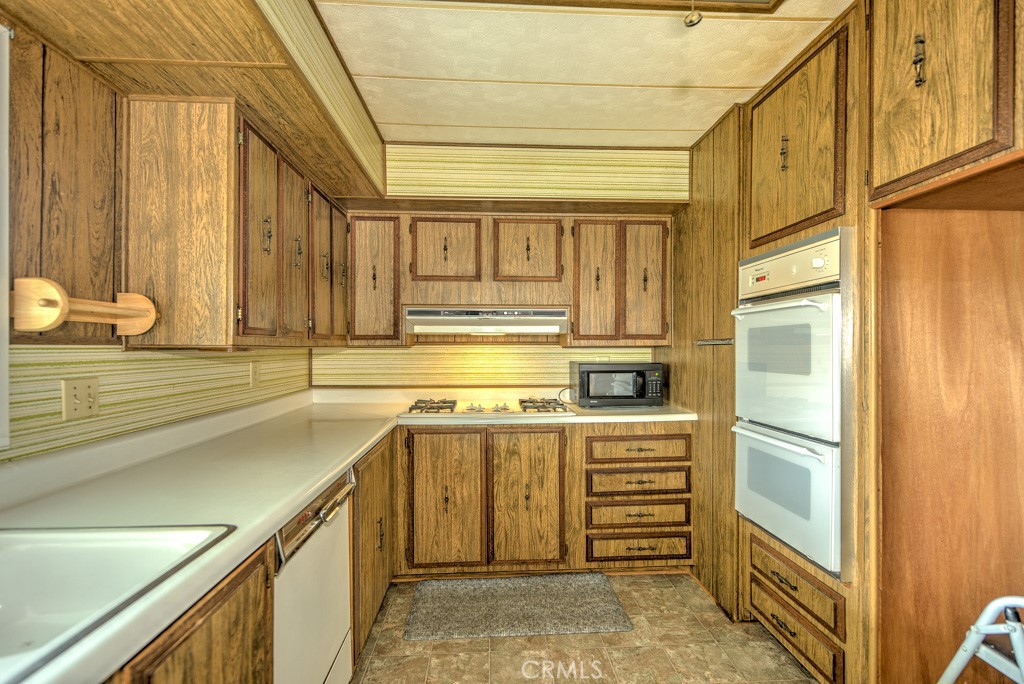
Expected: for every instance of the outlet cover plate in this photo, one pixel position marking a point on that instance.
(80, 398)
(254, 374)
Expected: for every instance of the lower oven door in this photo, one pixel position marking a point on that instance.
(790, 486)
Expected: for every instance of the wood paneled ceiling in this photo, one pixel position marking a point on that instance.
(620, 73)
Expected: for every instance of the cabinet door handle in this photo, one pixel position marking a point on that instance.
(298, 253)
(782, 580)
(919, 57)
(268, 234)
(445, 248)
(344, 274)
(326, 272)
(597, 278)
(641, 548)
(640, 450)
(645, 280)
(526, 498)
(380, 534)
(373, 276)
(782, 625)
(640, 515)
(527, 247)
(446, 499)
(639, 482)
(784, 153)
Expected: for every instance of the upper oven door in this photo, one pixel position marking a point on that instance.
(787, 364)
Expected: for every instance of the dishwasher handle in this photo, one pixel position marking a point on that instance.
(330, 510)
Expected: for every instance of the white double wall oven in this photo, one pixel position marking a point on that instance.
(788, 396)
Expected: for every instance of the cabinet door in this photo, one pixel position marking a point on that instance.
(527, 493)
(595, 275)
(226, 637)
(260, 240)
(644, 247)
(528, 249)
(957, 107)
(321, 274)
(446, 498)
(294, 205)
(445, 248)
(372, 538)
(768, 164)
(373, 278)
(339, 274)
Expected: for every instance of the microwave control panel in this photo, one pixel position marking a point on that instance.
(654, 383)
(803, 264)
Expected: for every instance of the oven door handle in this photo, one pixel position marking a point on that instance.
(779, 443)
(778, 306)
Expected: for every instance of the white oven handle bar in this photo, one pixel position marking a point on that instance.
(779, 443)
(778, 306)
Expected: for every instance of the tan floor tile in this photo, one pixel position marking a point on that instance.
(695, 596)
(519, 643)
(574, 641)
(679, 628)
(397, 609)
(396, 670)
(726, 631)
(459, 668)
(461, 646)
(391, 642)
(703, 664)
(641, 635)
(578, 664)
(653, 600)
(515, 666)
(646, 665)
(762, 661)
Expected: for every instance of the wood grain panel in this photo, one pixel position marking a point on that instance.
(769, 187)
(373, 278)
(968, 332)
(293, 210)
(182, 219)
(447, 512)
(962, 111)
(596, 289)
(260, 239)
(26, 155)
(607, 546)
(528, 250)
(78, 235)
(646, 480)
(227, 636)
(603, 449)
(445, 248)
(339, 272)
(321, 271)
(645, 279)
(638, 513)
(448, 205)
(526, 492)
(373, 530)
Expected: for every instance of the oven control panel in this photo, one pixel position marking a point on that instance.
(803, 264)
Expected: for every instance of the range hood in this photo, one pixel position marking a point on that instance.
(476, 321)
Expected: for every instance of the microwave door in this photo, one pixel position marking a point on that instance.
(790, 487)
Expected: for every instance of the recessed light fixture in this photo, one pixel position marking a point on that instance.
(693, 17)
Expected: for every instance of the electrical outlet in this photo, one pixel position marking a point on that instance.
(80, 398)
(254, 374)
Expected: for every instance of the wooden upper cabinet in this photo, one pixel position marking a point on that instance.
(339, 275)
(447, 510)
(942, 87)
(373, 278)
(528, 249)
(798, 146)
(260, 239)
(294, 206)
(321, 271)
(645, 253)
(595, 280)
(527, 494)
(227, 636)
(445, 248)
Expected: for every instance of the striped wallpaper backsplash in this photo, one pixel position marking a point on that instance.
(525, 172)
(137, 389)
(459, 366)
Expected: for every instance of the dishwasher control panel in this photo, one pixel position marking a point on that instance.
(323, 507)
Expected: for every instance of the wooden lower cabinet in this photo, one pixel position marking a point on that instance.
(225, 638)
(373, 533)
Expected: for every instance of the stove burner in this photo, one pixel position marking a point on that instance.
(504, 408)
(535, 405)
(433, 406)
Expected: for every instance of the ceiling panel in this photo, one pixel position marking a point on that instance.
(538, 136)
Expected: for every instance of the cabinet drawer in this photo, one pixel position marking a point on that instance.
(640, 513)
(816, 649)
(638, 481)
(827, 607)
(613, 547)
(629, 449)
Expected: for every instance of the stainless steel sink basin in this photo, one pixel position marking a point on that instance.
(57, 585)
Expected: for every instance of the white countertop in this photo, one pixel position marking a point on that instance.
(255, 478)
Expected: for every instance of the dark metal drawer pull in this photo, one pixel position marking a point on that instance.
(784, 153)
(782, 625)
(639, 515)
(639, 482)
(641, 548)
(445, 248)
(919, 57)
(446, 499)
(641, 450)
(783, 580)
(380, 534)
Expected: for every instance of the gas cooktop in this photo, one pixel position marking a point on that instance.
(434, 408)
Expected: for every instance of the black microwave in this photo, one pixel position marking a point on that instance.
(616, 384)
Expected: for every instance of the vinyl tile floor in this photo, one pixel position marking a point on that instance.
(679, 637)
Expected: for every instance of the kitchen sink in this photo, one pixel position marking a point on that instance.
(58, 585)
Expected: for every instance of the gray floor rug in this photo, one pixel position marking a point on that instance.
(567, 603)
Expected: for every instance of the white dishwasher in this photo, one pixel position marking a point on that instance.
(313, 592)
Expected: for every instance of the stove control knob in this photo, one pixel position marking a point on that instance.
(817, 262)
